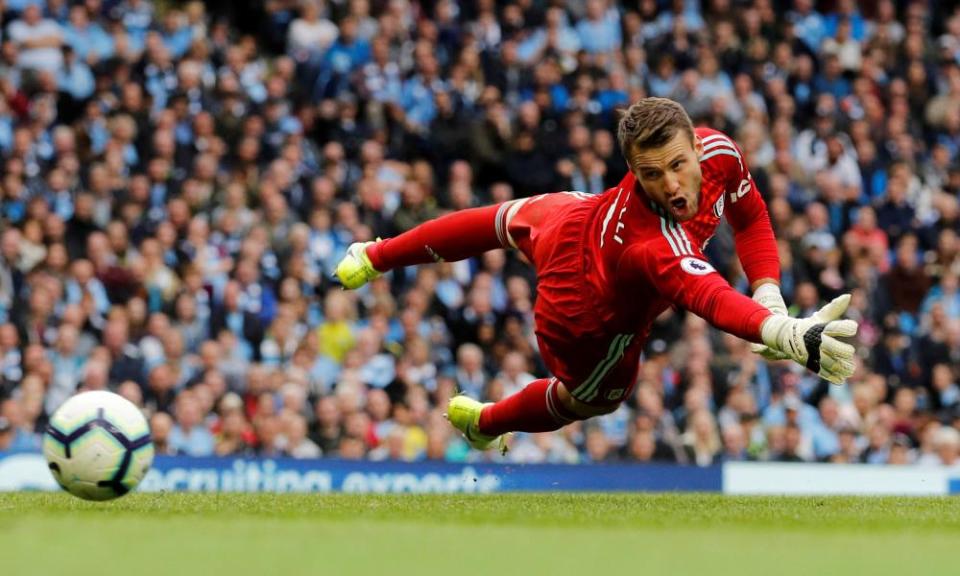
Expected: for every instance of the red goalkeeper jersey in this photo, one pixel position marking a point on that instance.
(608, 265)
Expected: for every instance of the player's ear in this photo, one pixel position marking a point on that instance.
(698, 146)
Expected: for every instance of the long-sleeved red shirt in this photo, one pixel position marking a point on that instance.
(639, 261)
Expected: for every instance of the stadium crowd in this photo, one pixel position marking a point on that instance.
(179, 179)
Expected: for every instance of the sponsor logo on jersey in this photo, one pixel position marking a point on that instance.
(718, 207)
(696, 266)
(742, 189)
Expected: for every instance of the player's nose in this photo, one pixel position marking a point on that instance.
(673, 183)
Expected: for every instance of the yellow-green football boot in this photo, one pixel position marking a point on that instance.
(355, 269)
(464, 413)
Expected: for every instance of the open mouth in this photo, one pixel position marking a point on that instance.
(679, 204)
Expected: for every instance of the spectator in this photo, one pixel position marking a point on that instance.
(470, 376)
(597, 447)
(947, 444)
(791, 445)
(310, 35)
(848, 452)
(23, 435)
(189, 436)
(295, 440)
(734, 444)
(701, 440)
(808, 24)
(38, 41)
(600, 31)
(161, 425)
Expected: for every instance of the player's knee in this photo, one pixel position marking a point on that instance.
(600, 410)
(582, 409)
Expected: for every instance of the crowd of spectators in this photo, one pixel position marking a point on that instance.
(179, 179)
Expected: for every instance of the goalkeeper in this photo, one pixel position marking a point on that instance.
(608, 265)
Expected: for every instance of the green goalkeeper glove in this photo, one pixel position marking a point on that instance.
(812, 342)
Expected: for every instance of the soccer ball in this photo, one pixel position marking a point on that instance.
(98, 446)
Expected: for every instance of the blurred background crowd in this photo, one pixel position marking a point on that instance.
(179, 179)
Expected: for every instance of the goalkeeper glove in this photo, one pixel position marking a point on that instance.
(768, 295)
(812, 342)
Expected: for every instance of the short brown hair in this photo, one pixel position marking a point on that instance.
(651, 123)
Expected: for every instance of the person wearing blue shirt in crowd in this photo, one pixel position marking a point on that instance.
(20, 437)
(808, 24)
(75, 77)
(946, 294)
(88, 39)
(417, 98)
(846, 10)
(600, 31)
(831, 79)
(347, 54)
(177, 37)
(688, 10)
(189, 435)
(556, 35)
(791, 410)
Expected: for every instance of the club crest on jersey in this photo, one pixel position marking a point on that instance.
(696, 266)
(718, 207)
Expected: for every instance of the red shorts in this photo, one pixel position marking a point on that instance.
(597, 365)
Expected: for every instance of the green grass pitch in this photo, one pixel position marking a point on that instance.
(582, 534)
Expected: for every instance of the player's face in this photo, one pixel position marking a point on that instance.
(670, 175)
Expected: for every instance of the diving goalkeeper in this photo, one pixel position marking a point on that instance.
(607, 265)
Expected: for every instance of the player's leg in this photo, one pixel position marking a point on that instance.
(452, 237)
(456, 236)
(544, 405)
(548, 404)
(536, 408)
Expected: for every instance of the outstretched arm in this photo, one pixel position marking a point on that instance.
(688, 280)
(682, 275)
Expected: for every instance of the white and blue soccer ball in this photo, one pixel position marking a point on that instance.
(98, 446)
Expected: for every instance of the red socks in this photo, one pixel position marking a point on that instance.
(536, 408)
(453, 237)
